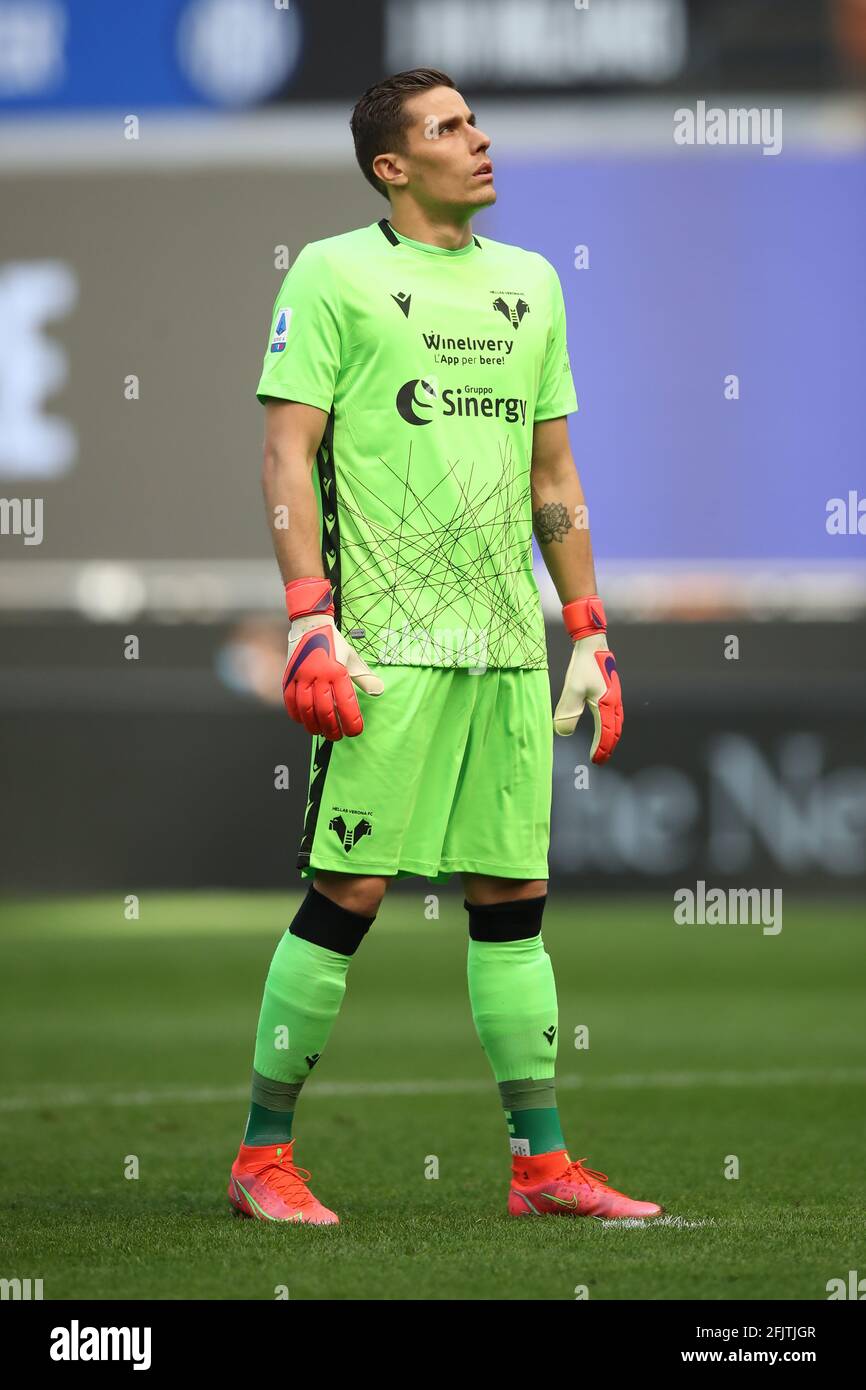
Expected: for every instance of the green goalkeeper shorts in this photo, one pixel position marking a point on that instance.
(452, 773)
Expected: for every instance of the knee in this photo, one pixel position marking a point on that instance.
(359, 893)
(484, 890)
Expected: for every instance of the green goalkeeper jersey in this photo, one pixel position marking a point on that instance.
(433, 366)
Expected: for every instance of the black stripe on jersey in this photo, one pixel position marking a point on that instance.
(330, 534)
(388, 231)
(330, 542)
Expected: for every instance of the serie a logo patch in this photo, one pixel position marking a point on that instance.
(281, 328)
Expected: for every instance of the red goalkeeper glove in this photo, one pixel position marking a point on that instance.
(591, 678)
(321, 665)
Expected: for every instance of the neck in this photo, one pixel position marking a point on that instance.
(433, 228)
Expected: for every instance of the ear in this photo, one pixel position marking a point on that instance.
(389, 169)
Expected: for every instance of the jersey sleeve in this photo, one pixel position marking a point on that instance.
(556, 394)
(302, 358)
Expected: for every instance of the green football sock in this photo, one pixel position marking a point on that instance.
(303, 993)
(268, 1126)
(532, 1116)
(513, 996)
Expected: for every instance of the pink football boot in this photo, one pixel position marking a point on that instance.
(266, 1185)
(560, 1187)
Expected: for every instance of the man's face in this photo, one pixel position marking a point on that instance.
(446, 165)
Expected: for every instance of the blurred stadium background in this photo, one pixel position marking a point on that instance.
(158, 162)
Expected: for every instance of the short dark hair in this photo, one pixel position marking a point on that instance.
(379, 121)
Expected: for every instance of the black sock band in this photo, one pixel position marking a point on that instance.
(326, 923)
(511, 921)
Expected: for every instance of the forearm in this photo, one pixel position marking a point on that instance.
(560, 525)
(292, 514)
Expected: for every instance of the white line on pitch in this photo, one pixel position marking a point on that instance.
(66, 1098)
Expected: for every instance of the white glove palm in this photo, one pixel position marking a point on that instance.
(321, 665)
(344, 652)
(591, 679)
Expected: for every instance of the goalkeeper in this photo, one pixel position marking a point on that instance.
(416, 383)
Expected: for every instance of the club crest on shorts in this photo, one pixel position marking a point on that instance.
(350, 835)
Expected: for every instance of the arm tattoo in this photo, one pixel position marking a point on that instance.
(551, 522)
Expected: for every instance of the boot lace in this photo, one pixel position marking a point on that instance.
(289, 1180)
(589, 1176)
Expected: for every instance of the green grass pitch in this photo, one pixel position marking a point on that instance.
(135, 1038)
